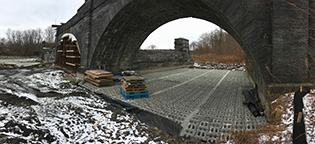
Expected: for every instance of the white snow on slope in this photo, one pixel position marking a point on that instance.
(287, 107)
(65, 118)
(51, 81)
(309, 116)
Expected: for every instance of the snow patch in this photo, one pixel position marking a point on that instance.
(51, 81)
(287, 119)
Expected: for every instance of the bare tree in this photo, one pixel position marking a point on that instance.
(19, 37)
(152, 47)
(193, 46)
(27, 42)
(8, 33)
(3, 41)
(49, 34)
(217, 42)
(38, 35)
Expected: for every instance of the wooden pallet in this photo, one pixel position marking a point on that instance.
(102, 76)
(133, 89)
(132, 79)
(98, 72)
(98, 84)
(127, 85)
(99, 80)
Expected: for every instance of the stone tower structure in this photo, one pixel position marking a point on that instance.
(182, 45)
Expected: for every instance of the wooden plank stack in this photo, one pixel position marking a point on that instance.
(99, 77)
(133, 87)
(68, 54)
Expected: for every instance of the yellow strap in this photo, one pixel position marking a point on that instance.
(299, 119)
(78, 47)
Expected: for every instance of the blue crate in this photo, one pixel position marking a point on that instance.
(134, 95)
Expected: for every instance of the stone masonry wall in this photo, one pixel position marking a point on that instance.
(150, 59)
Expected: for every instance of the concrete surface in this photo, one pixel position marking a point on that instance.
(207, 103)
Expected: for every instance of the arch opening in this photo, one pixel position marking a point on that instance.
(206, 43)
(68, 52)
(126, 32)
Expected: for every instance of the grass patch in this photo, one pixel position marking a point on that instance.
(215, 58)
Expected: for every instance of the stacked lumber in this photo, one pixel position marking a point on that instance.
(99, 77)
(133, 87)
(68, 53)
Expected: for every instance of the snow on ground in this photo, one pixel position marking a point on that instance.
(24, 62)
(51, 81)
(69, 120)
(309, 114)
(283, 132)
(67, 117)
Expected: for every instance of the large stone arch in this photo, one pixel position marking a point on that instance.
(274, 34)
(134, 21)
(110, 32)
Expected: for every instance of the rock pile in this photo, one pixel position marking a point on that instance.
(236, 67)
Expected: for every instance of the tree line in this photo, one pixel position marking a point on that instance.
(26, 42)
(216, 42)
(217, 46)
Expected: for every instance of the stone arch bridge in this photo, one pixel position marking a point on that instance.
(276, 35)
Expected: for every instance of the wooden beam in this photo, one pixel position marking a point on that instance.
(72, 56)
(55, 25)
(70, 51)
(71, 64)
(78, 47)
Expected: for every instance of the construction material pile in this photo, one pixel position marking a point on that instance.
(68, 53)
(99, 77)
(133, 87)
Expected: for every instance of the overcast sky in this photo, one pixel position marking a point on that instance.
(32, 14)
(189, 28)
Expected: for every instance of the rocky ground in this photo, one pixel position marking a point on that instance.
(38, 106)
(219, 66)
